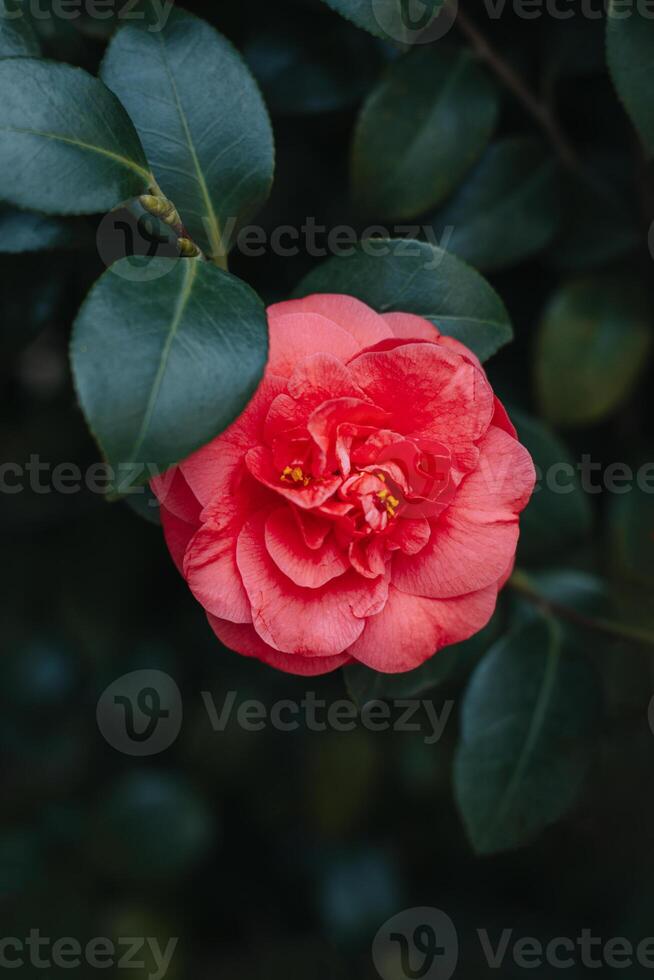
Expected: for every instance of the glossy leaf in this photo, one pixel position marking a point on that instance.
(507, 209)
(67, 146)
(413, 277)
(630, 50)
(592, 344)
(163, 366)
(528, 719)
(202, 121)
(421, 130)
(17, 37)
(558, 515)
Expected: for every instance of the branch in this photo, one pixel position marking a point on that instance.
(539, 110)
(522, 584)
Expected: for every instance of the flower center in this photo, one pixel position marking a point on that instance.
(294, 474)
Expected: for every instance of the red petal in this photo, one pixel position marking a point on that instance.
(410, 629)
(474, 540)
(307, 567)
(243, 639)
(311, 622)
(212, 573)
(260, 463)
(430, 391)
(295, 336)
(366, 326)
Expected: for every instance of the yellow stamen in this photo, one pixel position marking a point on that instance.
(295, 474)
(391, 502)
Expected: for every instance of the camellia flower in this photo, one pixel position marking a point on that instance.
(364, 507)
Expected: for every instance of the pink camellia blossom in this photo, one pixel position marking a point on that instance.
(364, 507)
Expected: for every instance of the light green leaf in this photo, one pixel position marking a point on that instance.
(17, 37)
(515, 185)
(202, 121)
(67, 146)
(558, 515)
(592, 345)
(630, 50)
(528, 719)
(421, 130)
(413, 277)
(162, 366)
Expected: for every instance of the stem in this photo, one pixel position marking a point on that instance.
(538, 109)
(522, 584)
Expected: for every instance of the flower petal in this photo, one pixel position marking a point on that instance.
(408, 326)
(212, 574)
(260, 463)
(430, 391)
(410, 629)
(366, 326)
(243, 639)
(474, 540)
(210, 471)
(295, 336)
(319, 622)
(307, 567)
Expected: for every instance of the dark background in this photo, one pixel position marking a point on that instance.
(274, 854)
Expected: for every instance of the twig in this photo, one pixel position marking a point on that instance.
(521, 584)
(539, 110)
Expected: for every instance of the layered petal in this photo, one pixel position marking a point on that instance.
(474, 540)
(311, 622)
(243, 639)
(410, 628)
(305, 566)
(295, 336)
(364, 325)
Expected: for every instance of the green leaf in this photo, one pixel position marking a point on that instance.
(393, 275)
(202, 121)
(365, 685)
(391, 20)
(630, 50)
(17, 37)
(558, 515)
(515, 185)
(67, 146)
(421, 130)
(592, 344)
(528, 719)
(162, 366)
(25, 231)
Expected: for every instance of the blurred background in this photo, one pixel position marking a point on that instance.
(268, 853)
